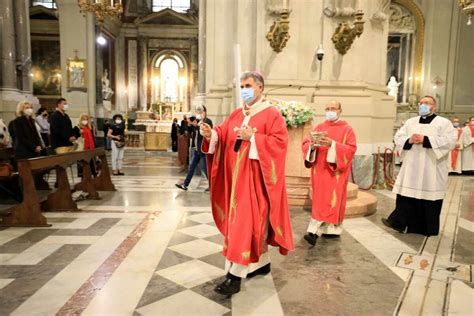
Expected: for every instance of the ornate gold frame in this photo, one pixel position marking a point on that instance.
(411, 6)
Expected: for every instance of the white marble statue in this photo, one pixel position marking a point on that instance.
(393, 87)
(107, 92)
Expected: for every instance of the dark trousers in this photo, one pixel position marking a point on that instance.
(198, 158)
(416, 216)
(45, 138)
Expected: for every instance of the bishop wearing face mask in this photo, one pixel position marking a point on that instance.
(425, 142)
(329, 151)
(246, 165)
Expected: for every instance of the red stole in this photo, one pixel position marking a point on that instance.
(455, 151)
(329, 180)
(249, 195)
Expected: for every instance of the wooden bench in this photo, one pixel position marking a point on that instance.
(28, 212)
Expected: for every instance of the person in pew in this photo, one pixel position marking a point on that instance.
(117, 135)
(62, 136)
(42, 121)
(85, 140)
(27, 142)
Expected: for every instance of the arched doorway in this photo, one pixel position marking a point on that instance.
(405, 48)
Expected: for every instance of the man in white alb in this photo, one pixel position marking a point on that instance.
(468, 147)
(425, 141)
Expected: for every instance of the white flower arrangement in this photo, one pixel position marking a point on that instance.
(295, 113)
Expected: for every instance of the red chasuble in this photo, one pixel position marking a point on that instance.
(248, 196)
(329, 180)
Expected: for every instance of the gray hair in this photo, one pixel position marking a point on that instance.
(258, 78)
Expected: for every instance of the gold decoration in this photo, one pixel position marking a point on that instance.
(220, 212)
(246, 255)
(408, 260)
(344, 158)
(468, 8)
(101, 8)
(279, 32)
(334, 199)
(338, 174)
(235, 172)
(279, 231)
(345, 139)
(345, 34)
(274, 177)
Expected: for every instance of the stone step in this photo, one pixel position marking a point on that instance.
(365, 204)
(352, 190)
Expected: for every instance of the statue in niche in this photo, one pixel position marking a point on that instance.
(107, 92)
(393, 87)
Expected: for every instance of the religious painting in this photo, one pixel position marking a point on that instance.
(76, 75)
(166, 112)
(46, 67)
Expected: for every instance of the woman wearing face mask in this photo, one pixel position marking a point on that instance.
(27, 140)
(42, 120)
(117, 134)
(85, 139)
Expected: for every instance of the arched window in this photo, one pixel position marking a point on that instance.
(51, 4)
(169, 80)
(176, 5)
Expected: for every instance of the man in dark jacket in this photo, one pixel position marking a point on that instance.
(198, 157)
(62, 134)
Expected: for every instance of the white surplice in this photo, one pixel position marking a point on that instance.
(424, 172)
(467, 151)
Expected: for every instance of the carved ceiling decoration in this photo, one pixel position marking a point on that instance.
(168, 17)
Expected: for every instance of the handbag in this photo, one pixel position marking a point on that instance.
(120, 142)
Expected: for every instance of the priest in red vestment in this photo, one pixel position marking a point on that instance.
(246, 168)
(329, 152)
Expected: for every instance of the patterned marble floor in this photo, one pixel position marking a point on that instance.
(151, 249)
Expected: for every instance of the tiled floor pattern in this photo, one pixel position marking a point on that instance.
(98, 262)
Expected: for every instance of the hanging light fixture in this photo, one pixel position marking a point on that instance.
(468, 8)
(101, 8)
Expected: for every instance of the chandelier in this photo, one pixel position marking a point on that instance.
(468, 8)
(101, 8)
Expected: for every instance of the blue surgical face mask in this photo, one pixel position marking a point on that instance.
(472, 123)
(456, 124)
(424, 109)
(248, 95)
(331, 116)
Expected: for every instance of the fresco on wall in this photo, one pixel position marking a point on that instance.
(46, 67)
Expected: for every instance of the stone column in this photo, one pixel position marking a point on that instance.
(7, 46)
(143, 72)
(202, 48)
(23, 44)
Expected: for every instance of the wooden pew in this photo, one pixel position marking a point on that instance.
(28, 213)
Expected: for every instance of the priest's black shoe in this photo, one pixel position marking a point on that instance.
(388, 223)
(260, 271)
(228, 287)
(311, 238)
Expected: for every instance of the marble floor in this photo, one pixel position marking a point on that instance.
(151, 249)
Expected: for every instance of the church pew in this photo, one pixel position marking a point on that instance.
(28, 212)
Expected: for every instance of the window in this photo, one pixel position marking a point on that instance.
(176, 5)
(51, 4)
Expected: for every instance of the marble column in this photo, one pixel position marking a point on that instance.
(7, 46)
(143, 72)
(23, 44)
(202, 48)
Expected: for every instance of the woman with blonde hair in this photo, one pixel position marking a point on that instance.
(27, 141)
